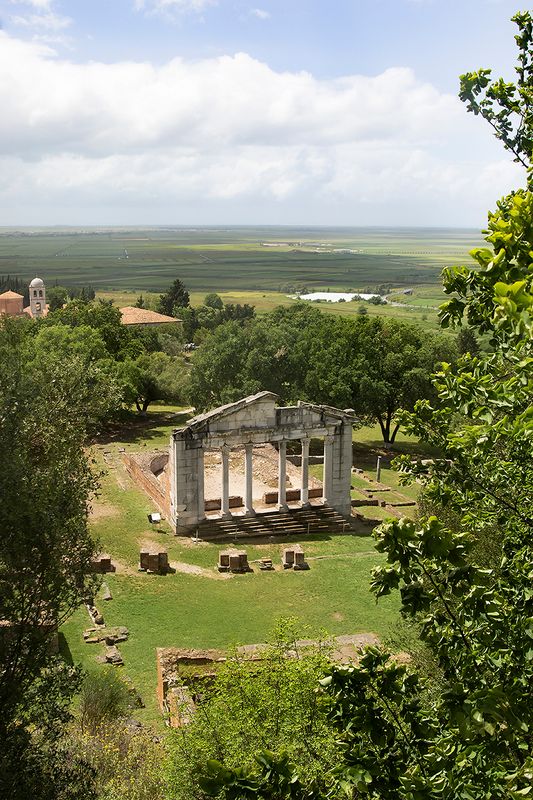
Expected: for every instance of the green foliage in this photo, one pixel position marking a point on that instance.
(151, 377)
(472, 738)
(126, 761)
(83, 293)
(102, 316)
(56, 297)
(45, 552)
(12, 283)
(104, 697)
(467, 342)
(271, 703)
(213, 300)
(488, 297)
(507, 107)
(372, 365)
(176, 297)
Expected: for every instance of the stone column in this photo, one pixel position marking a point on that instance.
(341, 470)
(225, 451)
(248, 470)
(304, 496)
(327, 476)
(282, 476)
(186, 465)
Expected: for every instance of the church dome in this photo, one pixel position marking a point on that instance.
(37, 283)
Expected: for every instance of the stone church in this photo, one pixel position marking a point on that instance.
(12, 304)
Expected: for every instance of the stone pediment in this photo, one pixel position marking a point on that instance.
(256, 410)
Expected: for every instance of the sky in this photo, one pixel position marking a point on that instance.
(224, 112)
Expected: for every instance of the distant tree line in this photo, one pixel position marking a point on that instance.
(11, 283)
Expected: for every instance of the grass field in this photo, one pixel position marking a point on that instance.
(238, 259)
(203, 610)
(267, 301)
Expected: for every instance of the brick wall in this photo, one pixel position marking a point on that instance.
(157, 490)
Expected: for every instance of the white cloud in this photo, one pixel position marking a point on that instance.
(46, 19)
(173, 7)
(231, 133)
(41, 5)
(260, 13)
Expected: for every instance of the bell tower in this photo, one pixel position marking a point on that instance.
(37, 298)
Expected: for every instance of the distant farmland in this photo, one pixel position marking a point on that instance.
(253, 259)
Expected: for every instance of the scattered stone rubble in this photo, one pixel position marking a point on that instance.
(154, 562)
(110, 636)
(293, 558)
(233, 561)
(95, 615)
(102, 564)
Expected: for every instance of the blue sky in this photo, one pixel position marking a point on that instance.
(232, 112)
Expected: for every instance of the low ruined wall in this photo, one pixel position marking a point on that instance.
(235, 501)
(157, 490)
(292, 495)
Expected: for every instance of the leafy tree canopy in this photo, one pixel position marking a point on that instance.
(46, 406)
(176, 297)
(372, 365)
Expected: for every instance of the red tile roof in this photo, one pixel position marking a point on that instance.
(143, 316)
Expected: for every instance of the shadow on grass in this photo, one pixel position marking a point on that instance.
(363, 530)
(134, 427)
(367, 452)
(64, 649)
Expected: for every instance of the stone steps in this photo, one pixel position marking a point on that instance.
(297, 522)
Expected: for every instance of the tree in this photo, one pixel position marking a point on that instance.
(472, 737)
(372, 365)
(140, 302)
(467, 342)
(175, 297)
(56, 297)
(101, 315)
(45, 553)
(375, 366)
(213, 300)
(151, 377)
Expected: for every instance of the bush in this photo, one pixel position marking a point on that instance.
(104, 696)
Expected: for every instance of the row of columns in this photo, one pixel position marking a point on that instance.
(282, 474)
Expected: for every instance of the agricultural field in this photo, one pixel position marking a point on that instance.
(196, 606)
(234, 259)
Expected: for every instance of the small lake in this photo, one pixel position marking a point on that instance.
(334, 297)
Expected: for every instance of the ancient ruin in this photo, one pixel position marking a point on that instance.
(252, 421)
(154, 561)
